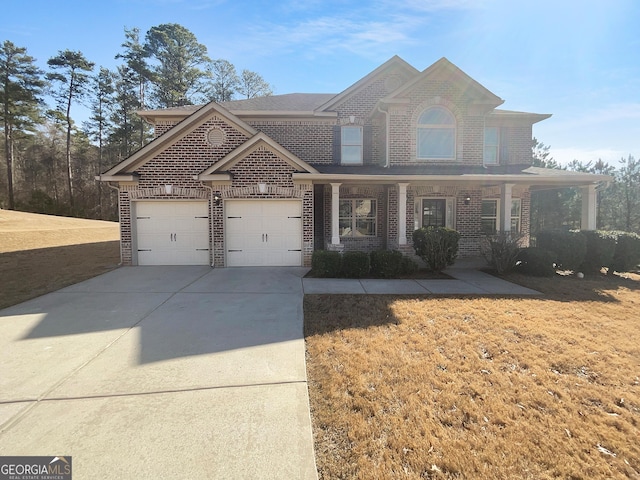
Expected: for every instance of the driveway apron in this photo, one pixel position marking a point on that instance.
(161, 372)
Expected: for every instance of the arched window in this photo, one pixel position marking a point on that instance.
(436, 137)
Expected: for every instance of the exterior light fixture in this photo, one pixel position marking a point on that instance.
(217, 198)
(467, 200)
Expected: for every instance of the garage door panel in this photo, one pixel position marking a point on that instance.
(263, 233)
(172, 233)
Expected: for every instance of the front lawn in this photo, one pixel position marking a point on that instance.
(478, 387)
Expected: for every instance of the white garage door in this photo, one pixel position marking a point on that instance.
(172, 233)
(263, 232)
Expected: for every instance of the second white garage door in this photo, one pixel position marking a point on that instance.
(172, 233)
(263, 232)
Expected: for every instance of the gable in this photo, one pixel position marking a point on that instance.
(382, 81)
(190, 135)
(262, 143)
(448, 77)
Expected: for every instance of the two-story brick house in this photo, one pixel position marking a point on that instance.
(265, 181)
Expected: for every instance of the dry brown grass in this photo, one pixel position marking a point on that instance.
(499, 388)
(43, 253)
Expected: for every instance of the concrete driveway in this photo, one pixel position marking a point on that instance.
(161, 372)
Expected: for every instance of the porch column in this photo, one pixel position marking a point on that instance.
(505, 203)
(588, 221)
(402, 213)
(335, 213)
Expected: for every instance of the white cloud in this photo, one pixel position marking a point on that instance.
(330, 34)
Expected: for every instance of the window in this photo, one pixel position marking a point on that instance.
(357, 218)
(436, 138)
(491, 145)
(435, 212)
(351, 145)
(490, 216)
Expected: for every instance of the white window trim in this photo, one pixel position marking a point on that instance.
(499, 213)
(354, 217)
(450, 214)
(484, 159)
(453, 127)
(343, 144)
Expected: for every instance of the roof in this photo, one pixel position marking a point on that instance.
(294, 102)
(444, 66)
(489, 175)
(173, 135)
(515, 115)
(393, 62)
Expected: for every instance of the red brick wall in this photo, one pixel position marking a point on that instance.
(190, 156)
(263, 166)
(310, 141)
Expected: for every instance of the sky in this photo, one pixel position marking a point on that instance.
(576, 59)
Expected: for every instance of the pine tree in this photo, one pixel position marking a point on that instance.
(21, 87)
(70, 74)
(178, 72)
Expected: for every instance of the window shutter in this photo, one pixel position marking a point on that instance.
(367, 144)
(504, 146)
(337, 137)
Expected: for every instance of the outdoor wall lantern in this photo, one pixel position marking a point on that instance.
(467, 200)
(217, 198)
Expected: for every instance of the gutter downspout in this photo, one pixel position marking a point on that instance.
(386, 140)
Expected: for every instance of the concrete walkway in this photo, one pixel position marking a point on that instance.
(464, 281)
(161, 372)
(175, 372)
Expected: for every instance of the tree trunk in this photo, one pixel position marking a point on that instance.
(68, 152)
(8, 148)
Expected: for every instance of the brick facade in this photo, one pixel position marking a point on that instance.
(393, 129)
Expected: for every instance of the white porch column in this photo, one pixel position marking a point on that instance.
(402, 213)
(588, 221)
(335, 213)
(505, 208)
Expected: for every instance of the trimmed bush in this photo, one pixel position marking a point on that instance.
(501, 250)
(536, 261)
(627, 254)
(391, 264)
(386, 263)
(355, 264)
(325, 263)
(408, 266)
(437, 246)
(569, 246)
(601, 247)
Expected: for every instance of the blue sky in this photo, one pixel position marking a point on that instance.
(579, 60)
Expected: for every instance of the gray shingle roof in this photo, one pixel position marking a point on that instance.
(291, 102)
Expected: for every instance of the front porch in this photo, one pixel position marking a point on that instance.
(366, 216)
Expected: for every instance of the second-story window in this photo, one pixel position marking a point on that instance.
(491, 145)
(436, 137)
(351, 145)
